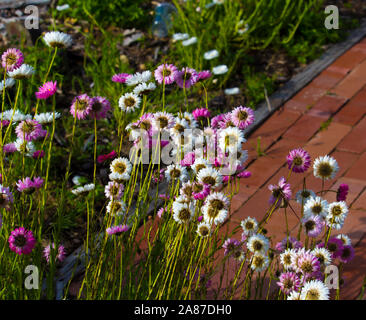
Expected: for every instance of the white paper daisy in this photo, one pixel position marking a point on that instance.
(129, 102)
(25, 71)
(57, 39)
(121, 169)
(325, 167)
(314, 290)
(316, 206)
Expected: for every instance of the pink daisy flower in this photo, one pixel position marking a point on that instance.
(21, 241)
(187, 77)
(216, 120)
(117, 230)
(293, 243)
(114, 190)
(299, 160)
(6, 197)
(28, 186)
(100, 108)
(9, 148)
(81, 106)
(12, 59)
(47, 90)
(200, 191)
(281, 191)
(29, 130)
(120, 77)
(61, 254)
(342, 192)
(289, 281)
(226, 121)
(188, 159)
(242, 117)
(201, 114)
(307, 263)
(203, 75)
(313, 225)
(244, 174)
(230, 245)
(166, 73)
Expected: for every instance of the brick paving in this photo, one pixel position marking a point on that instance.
(325, 117)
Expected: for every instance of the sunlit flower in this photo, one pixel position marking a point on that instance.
(182, 212)
(281, 192)
(163, 120)
(129, 102)
(314, 225)
(347, 254)
(259, 262)
(26, 147)
(29, 130)
(316, 206)
(323, 255)
(57, 39)
(46, 117)
(230, 245)
(100, 107)
(28, 186)
(212, 54)
(258, 243)
(289, 282)
(6, 197)
(25, 71)
(314, 290)
(138, 77)
(203, 75)
(116, 208)
(337, 213)
(175, 172)
(186, 78)
(303, 195)
(117, 230)
(9, 82)
(189, 41)
(210, 176)
(121, 169)
(242, 117)
(166, 73)
(249, 226)
(120, 77)
(325, 167)
(287, 258)
(83, 189)
(221, 69)
(114, 190)
(298, 160)
(345, 239)
(231, 139)
(21, 241)
(144, 88)
(342, 192)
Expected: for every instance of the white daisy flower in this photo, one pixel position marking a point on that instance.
(325, 167)
(200, 163)
(176, 171)
(26, 147)
(190, 119)
(221, 69)
(129, 102)
(259, 262)
(287, 257)
(316, 206)
(210, 176)
(217, 200)
(182, 212)
(249, 226)
(204, 229)
(346, 239)
(258, 243)
(323, 255)
(232, 91)
(337, 212)
(57, 39)
(231, 139)
(163, 120)
(303, 195)
(214, 215)
(83, 189)
(17, 116)
(25, 71)
(76, 180)
(189, 41)
(314, 290)
(294, 296)
(179, 127)
(46, 117)
(9, 82)
(144, 88)
(116, 207)
(212, 54)
(121, 169)
(180, 36)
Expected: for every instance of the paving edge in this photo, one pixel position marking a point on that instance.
(300, 80)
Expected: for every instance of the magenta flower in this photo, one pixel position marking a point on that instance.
(334, 246)
(226, 121)
(117, 230)
(289, 281)
(47, 90)
(100, 108)
(342, 192)
(242, 117)
(282, 192)
(120, 77)
(81, 106)
(314, 225)
(307, 263)
(28, 186)
(9, 148)
(186, 78)
(200, 190)
(114, 190)
(4, 123)
(188, 159)
(166, 73)
(38, 154)
(12, 59)
(347, 254)
(200, 218)
(299, 160)
(104, 157)
(21, 241)
(290, 243)
(244, 174)
(61, 254)
(203, 75)
(201, 114)
(29, 130)
(216, 120)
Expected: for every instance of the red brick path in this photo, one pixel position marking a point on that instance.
(339, 94)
